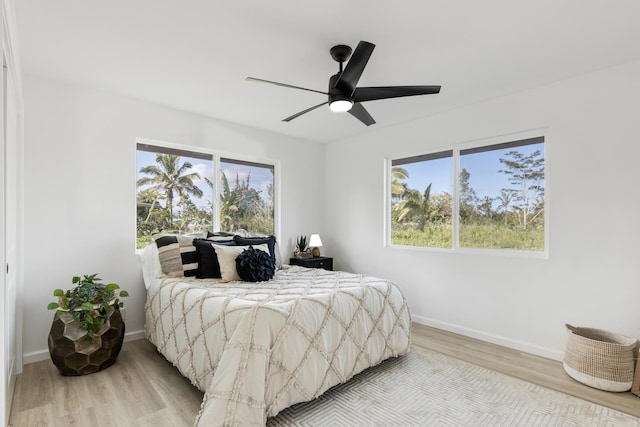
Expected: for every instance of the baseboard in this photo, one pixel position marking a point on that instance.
(494, 339)
(40, 355)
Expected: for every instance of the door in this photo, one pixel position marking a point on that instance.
(10, 232)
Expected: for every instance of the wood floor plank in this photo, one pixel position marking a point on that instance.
(34, 388)
(37, 416)
(168, 417)
(144, 389)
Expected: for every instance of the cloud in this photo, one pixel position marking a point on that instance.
(205, 170)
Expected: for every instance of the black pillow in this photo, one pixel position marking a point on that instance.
(254, 265)
(270, 241)
(208, 265)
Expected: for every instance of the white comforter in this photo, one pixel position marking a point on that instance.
(257, 348)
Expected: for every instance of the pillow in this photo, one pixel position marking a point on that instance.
(151, 267)
(208, 265)
(254, 265)
(219, 234)
(227, 259)
(278, 256)
(269, 240)
(177, 254)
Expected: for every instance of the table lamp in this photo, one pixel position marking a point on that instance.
(315, 243)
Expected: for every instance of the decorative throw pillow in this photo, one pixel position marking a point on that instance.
(269, 240)
(227, 259)
(208, 265)
(278, 256)
(177, 254)
(254, 265)
(219, 234)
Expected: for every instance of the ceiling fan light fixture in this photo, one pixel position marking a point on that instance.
(340, 105)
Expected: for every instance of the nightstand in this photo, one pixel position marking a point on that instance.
(317, 262)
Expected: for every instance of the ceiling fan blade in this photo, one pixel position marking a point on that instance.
(363, 94)
(360, 113)
(253, 79)
(349, 78)
(288, 119)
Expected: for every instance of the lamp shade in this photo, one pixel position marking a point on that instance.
(314, 241)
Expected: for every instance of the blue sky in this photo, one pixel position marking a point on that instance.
(483, 168)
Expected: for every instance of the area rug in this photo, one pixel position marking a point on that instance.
(424, 388)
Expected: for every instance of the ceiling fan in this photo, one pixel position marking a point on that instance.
(344, 95)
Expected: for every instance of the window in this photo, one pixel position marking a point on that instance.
(180, 191)
(498, 202)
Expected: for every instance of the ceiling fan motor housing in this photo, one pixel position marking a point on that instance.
(336, 94)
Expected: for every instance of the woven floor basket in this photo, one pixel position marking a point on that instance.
(600, 359)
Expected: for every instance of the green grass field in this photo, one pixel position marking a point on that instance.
(490, 236)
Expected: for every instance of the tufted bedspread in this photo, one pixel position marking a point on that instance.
(257, 348)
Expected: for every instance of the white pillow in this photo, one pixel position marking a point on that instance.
(151, 267)
(227, 259)
(276, 249)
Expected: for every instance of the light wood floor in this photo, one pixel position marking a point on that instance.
(538, 370)
(143, 389)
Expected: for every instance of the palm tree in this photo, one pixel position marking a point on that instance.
(399, 189)
(229, 205)
(241, 205)
(416, 207)
(171, 178)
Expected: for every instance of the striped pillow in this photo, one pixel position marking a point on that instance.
(177, 254)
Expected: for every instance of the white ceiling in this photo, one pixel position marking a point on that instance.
(194, 55)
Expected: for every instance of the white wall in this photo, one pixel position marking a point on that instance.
(591, 277)
(79, 181)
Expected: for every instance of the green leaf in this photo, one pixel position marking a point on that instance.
(112, 287)
(75, 279)
(52, 306)
(124, 293)
(58, 293)
(86, 306)
(91, 279)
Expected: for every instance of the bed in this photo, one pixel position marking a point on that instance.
(255, 348)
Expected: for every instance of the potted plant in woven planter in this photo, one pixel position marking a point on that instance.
(87, 330)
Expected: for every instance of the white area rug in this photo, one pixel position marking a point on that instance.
(425, 388)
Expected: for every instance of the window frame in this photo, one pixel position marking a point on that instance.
(478, 145)
(216, 156)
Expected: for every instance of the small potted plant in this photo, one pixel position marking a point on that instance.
(301, 251)
(87, 331)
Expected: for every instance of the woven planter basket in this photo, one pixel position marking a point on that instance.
(600, 359)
